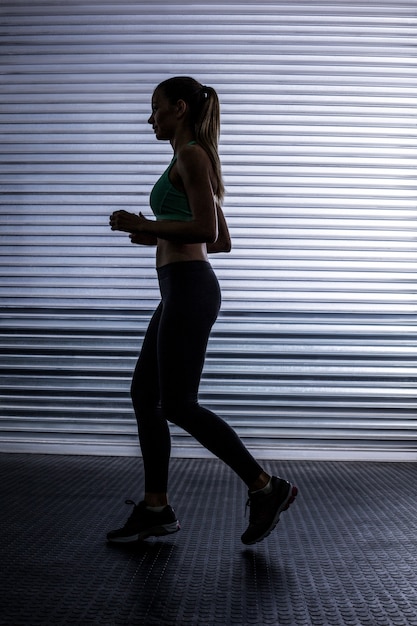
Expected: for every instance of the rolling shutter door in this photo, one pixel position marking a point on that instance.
(314, 353)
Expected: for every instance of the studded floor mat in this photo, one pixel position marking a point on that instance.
(345, 553)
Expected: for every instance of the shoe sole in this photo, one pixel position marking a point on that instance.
(292, 494)
(156, 531)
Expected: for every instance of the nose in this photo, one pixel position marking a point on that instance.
(150, 120)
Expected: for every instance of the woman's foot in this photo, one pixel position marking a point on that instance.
(144, 523)
(266, 508)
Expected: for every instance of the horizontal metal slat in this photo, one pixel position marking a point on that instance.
(317, 334)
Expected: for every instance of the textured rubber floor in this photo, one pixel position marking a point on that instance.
(344, 553)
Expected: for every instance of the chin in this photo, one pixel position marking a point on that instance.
(160, 136)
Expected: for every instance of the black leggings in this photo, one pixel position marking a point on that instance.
(167, 375)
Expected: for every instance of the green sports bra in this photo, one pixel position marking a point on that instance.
(168, 203)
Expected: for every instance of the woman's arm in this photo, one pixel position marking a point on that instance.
(143, 239)
(223, 242)
(193, 168)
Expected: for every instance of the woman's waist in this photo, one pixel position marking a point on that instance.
(170, 252)
(184, 267)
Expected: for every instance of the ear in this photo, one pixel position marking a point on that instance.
(182, 108)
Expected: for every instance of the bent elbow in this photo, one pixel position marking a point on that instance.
(220, 245)
(224, 241)
(225, 246)
(211, 235)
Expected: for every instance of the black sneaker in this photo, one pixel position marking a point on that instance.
(144, 523)
(266, 509)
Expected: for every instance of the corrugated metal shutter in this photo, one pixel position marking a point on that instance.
(315, 351)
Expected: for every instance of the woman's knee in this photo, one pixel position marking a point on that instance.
(180, 413)
(145, 401)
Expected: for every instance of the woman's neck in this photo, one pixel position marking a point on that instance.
(182, 140)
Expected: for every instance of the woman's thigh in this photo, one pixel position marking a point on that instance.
(145, 381)
(187, 316)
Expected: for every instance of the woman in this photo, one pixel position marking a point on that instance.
(186, 202)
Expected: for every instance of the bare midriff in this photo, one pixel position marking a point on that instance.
(171, 252)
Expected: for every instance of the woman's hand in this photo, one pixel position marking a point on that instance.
(128, 222)
(143, 239)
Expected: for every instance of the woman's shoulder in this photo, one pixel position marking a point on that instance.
(193, 155)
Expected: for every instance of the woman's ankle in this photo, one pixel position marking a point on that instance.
(260, 482)
(156, 498)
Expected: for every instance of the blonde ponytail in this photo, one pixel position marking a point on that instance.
(204, 108)
(207, 131)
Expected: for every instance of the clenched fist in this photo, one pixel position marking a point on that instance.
(127, 222)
